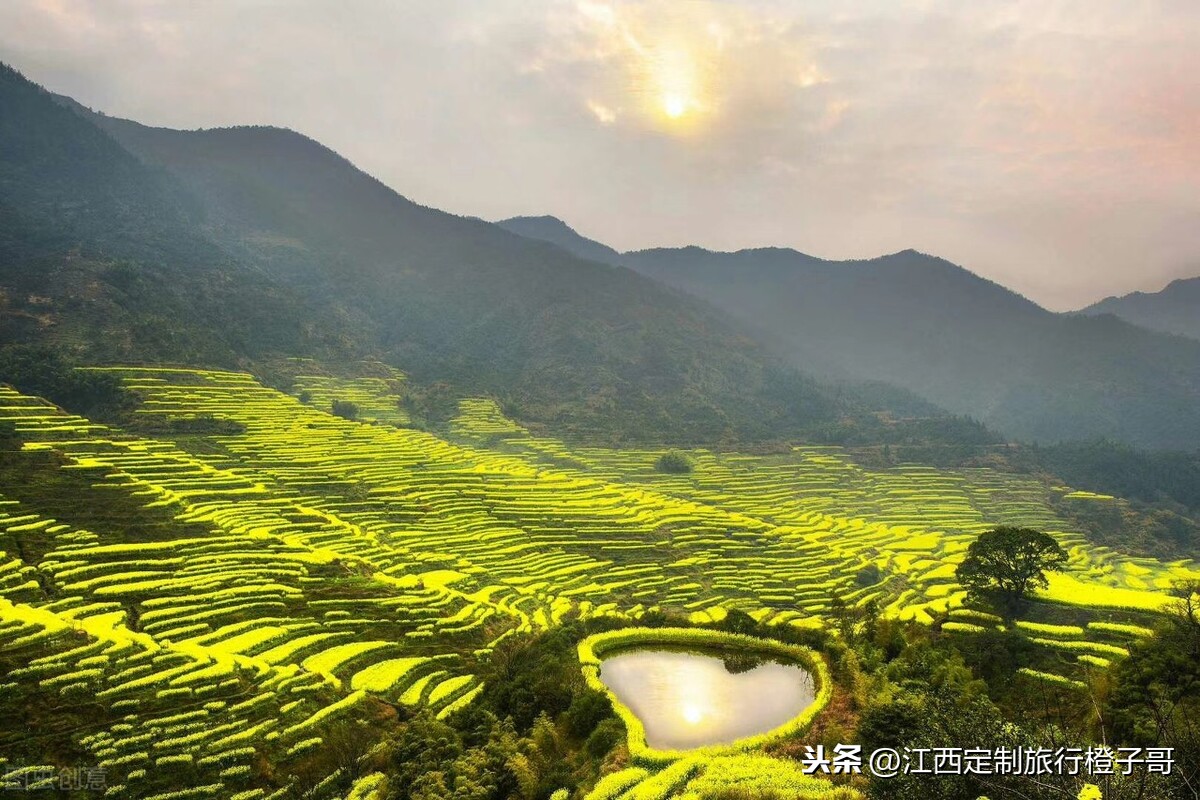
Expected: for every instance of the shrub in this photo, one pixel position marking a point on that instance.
(869, 575)
(674, 462)
(345, 409)
(605, 737)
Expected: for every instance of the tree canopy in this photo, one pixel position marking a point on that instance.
(1005, 564)
(674, 462)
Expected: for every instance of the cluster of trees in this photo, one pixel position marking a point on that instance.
(1155, 697)
(48, 373)
(1171, 477)
(536, 728)
(909, 686)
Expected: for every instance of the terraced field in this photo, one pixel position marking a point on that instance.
(271, 584)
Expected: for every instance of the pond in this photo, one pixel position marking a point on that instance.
(688, 699)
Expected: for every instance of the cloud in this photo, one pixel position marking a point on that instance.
(1049, 145)
(697, 68)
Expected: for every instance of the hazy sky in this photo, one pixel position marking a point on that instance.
(1051, 146)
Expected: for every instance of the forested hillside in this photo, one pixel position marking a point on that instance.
(1175, 309)
(958, 340)
(240, 246)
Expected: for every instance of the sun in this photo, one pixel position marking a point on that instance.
(674, 105)
(692, 713)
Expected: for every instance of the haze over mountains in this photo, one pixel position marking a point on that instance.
(1175, 309)
(929, 326)
(239, 246)
(227, 247)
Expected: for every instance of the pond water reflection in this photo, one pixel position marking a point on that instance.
(686, 699)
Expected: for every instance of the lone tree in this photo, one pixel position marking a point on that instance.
(1005, 564)
(674, 462)
(345, 409)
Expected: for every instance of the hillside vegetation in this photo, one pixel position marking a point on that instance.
(933, 328)
(239, 247)
(1175, 309)
(242, 605)
(600, 351)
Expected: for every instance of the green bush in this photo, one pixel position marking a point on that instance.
(605, 737)
(869, 575)
(345, 409)
(674, 462)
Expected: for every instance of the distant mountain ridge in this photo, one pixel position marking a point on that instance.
(104, 256)
(1175, 309)
(225, 247)
(554, 230)
(952, 337)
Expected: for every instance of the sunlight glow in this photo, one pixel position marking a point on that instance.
(675, 79)
(674, 106)
(694, 71)
(692, 713)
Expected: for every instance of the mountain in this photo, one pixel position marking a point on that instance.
(103, 255)
(234, 247)
(962, 342)
(554, 230)
(1175, 309)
